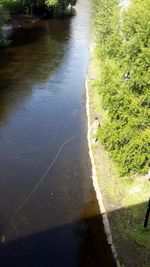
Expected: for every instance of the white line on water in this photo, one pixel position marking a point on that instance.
(20, 207)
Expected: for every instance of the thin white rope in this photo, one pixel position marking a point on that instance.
(20, 207)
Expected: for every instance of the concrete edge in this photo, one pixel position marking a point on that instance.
(95, 181)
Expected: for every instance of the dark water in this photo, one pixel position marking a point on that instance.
(42, 104)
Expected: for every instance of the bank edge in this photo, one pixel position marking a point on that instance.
(95, 179)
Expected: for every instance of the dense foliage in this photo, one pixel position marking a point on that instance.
(12, 6)
(60, 6)
(19, 6)
(122, 40)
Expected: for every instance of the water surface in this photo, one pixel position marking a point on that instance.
(42, 105)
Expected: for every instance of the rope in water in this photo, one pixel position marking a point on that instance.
(20, 207)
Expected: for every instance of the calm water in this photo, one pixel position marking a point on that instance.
(42, 105)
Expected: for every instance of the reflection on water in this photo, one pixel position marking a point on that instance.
(42, 104)
(36, 54)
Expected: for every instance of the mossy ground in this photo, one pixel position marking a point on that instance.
(125, 198)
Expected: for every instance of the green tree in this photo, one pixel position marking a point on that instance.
(122, 41)
(60, 5)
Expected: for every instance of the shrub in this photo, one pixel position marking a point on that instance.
(122, 47)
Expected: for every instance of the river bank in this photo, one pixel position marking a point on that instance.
(124, 198)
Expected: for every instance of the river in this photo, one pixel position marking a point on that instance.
(49, 215)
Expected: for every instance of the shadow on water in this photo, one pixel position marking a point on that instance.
(82, 243)
(31, 33)
(54, 247)
(26, 36)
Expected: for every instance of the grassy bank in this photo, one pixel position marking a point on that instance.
(119, 92)
(125, 198)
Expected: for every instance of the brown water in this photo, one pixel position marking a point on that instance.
(42, 105)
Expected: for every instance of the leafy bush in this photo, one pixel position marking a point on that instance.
(13, 7)
(122, 41)
(60, 7)
(27, 6)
